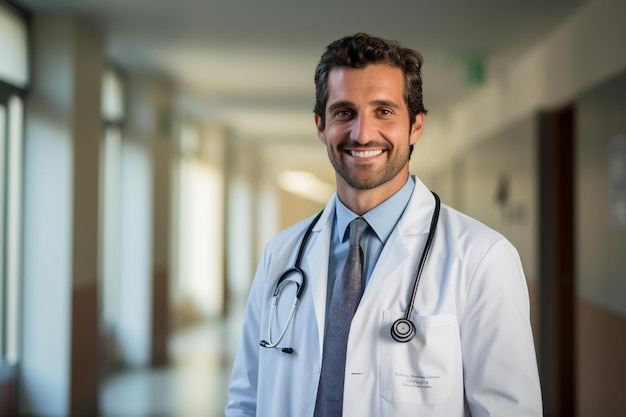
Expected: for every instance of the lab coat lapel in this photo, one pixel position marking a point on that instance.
(400, 253)
(315, 263)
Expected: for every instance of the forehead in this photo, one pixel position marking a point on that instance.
(375, 81)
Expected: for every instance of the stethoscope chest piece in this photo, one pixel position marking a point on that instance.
(402, 330)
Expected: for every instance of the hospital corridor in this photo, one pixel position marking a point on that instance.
(150, 149)
(194, 383)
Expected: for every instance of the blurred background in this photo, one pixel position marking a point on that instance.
(150, 148)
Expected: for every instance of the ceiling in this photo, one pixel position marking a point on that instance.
(249, 64)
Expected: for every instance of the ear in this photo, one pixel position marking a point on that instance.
(417, 128)
(321, 132)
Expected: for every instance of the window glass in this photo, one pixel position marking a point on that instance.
(13, 48)
(112, 97)
(13, 222)
(3, 301)
(110, 186)
(13, 81)
(200, 249)
(112, 108)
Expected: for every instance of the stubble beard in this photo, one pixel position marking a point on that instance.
(365, 177)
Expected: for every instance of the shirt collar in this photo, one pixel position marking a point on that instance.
(382, 218)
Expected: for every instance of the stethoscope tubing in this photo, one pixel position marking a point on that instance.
(402, 330)
(296, 269)
(429, 242)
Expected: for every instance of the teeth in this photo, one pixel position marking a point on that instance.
(365, 154)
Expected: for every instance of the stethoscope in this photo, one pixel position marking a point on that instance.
(402, 330)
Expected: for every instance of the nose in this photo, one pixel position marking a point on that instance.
(363, 129)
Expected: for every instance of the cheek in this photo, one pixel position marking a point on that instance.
(400, 134)
(333, 134)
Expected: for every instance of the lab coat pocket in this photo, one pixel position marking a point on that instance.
(425, 369)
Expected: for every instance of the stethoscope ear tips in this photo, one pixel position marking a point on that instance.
(402, 330)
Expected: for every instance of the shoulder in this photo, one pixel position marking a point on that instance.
(489, 260)
(464, 233)
(290, 236)
(456, 218)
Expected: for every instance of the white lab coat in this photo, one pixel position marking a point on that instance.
(473, 354)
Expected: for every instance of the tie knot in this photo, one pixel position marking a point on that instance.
(357, 227)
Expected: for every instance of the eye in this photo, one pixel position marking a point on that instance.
(343, 114)
(385, 112)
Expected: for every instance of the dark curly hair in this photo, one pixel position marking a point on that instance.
(360, 50)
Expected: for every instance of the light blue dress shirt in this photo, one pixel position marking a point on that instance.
(382, 219)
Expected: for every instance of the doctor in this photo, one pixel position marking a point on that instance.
(472, 350)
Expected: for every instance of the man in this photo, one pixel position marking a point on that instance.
(463, 345)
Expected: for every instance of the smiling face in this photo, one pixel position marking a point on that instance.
(367, 133)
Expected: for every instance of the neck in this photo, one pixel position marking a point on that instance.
(362, 201)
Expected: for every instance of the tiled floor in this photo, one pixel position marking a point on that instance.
(194, 385)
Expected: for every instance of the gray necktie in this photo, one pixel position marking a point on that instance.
(345, 299)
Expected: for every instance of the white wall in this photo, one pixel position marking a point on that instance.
(507, 160)
(583, 52)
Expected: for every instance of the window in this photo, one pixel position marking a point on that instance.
(11, 116)
(110, 209)
(14, 78)
(13, 47)
(200, 208)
